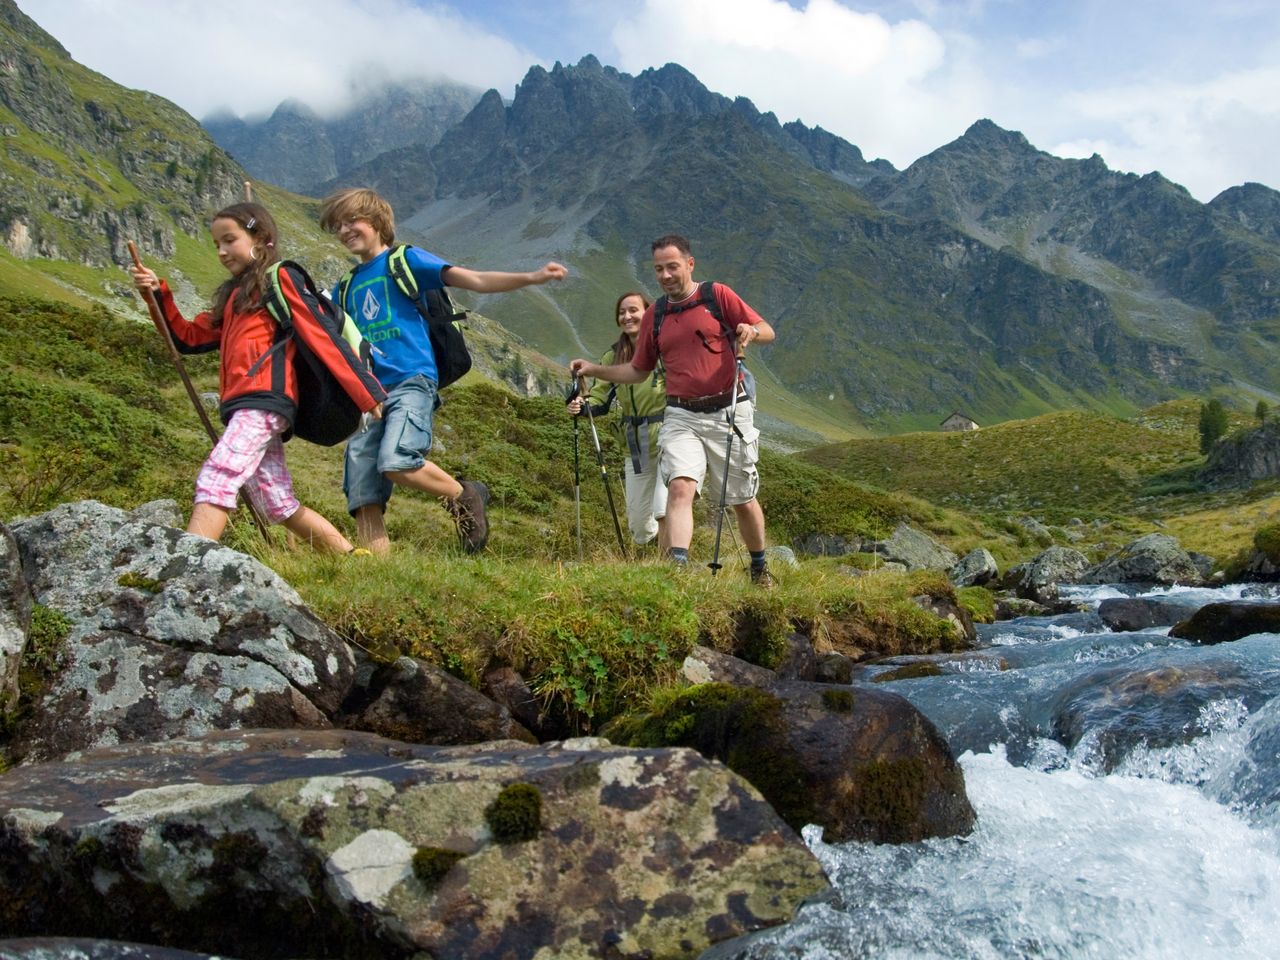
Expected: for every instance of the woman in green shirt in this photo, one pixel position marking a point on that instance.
(642, 406)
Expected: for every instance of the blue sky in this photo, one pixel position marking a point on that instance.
(1191, 89)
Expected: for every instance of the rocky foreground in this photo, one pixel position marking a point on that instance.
(187, 772)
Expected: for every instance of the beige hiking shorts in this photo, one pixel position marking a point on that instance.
(694, 446)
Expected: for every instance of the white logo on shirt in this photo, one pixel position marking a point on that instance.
(370, 308)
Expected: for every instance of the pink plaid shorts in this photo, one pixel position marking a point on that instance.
(250, 454)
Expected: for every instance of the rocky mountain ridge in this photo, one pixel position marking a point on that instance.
(890, 315)
(987, 277)
(298, 148)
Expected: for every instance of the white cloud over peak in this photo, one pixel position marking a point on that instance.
(885, 86)
(249, 55)
(1206, 136)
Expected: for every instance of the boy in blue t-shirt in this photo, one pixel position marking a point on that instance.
(393, 450)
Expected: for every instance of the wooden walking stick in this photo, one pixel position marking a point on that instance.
(158, 319)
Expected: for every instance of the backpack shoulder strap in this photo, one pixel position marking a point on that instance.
(659, 314)
(398, 267)
(707, 297)
(273, 297)
(434, 304)
(344, 285)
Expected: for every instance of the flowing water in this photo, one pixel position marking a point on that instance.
(1127, 787)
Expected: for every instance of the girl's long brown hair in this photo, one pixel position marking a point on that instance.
(247, 285)
(623, 350)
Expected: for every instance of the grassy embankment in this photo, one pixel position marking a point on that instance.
(90, 407)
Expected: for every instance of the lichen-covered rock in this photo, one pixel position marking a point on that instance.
(825, 545)
(77, 948)
(861, 763)
(171, 635)
(335, 843)
(1038, 578)
(418, 703)
(977, 568)
(1010, 608)
(914, 549)
(15, 618)
(1155, 558)
(1228, 620)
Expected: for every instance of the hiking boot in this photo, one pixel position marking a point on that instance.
(467, 510)
(762, 577)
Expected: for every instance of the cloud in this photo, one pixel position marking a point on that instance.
(887, 87)
(1206, 136)
(249, 55)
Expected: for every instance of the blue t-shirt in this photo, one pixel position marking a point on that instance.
(390, 321)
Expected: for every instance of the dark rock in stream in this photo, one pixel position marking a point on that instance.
(1230, 620)
(1125, 707)
(1142, 613)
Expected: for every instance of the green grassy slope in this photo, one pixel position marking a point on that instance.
(1058, 466)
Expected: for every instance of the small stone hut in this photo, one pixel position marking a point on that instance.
(958, 421)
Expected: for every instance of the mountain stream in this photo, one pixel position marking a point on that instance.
(1127, 787)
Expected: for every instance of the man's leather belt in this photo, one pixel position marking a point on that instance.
(717, 401)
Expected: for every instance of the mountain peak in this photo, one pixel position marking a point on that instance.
(987, 133)
(28, 29)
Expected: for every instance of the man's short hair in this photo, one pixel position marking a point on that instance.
(358, 203)
(672, 240)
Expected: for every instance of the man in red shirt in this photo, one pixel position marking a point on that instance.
(702, 379)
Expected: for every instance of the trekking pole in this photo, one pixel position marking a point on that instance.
(724, 481)
(157, 318)
(604, 472)
(577, 490)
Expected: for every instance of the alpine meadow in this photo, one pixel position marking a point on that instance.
(562, 744)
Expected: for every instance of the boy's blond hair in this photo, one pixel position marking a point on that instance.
(358, 203)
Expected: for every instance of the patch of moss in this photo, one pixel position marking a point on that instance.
(49, 628)
(139, 582)
(890, 793)
(740, 727)
(430, 864)
(838, 701)
(515, 814)
(88, 850)
(1267, 540)
(910, 671)
(979, 601)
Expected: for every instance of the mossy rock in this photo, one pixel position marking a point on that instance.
(910, 671)
(1267, 540)
(740, 727)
